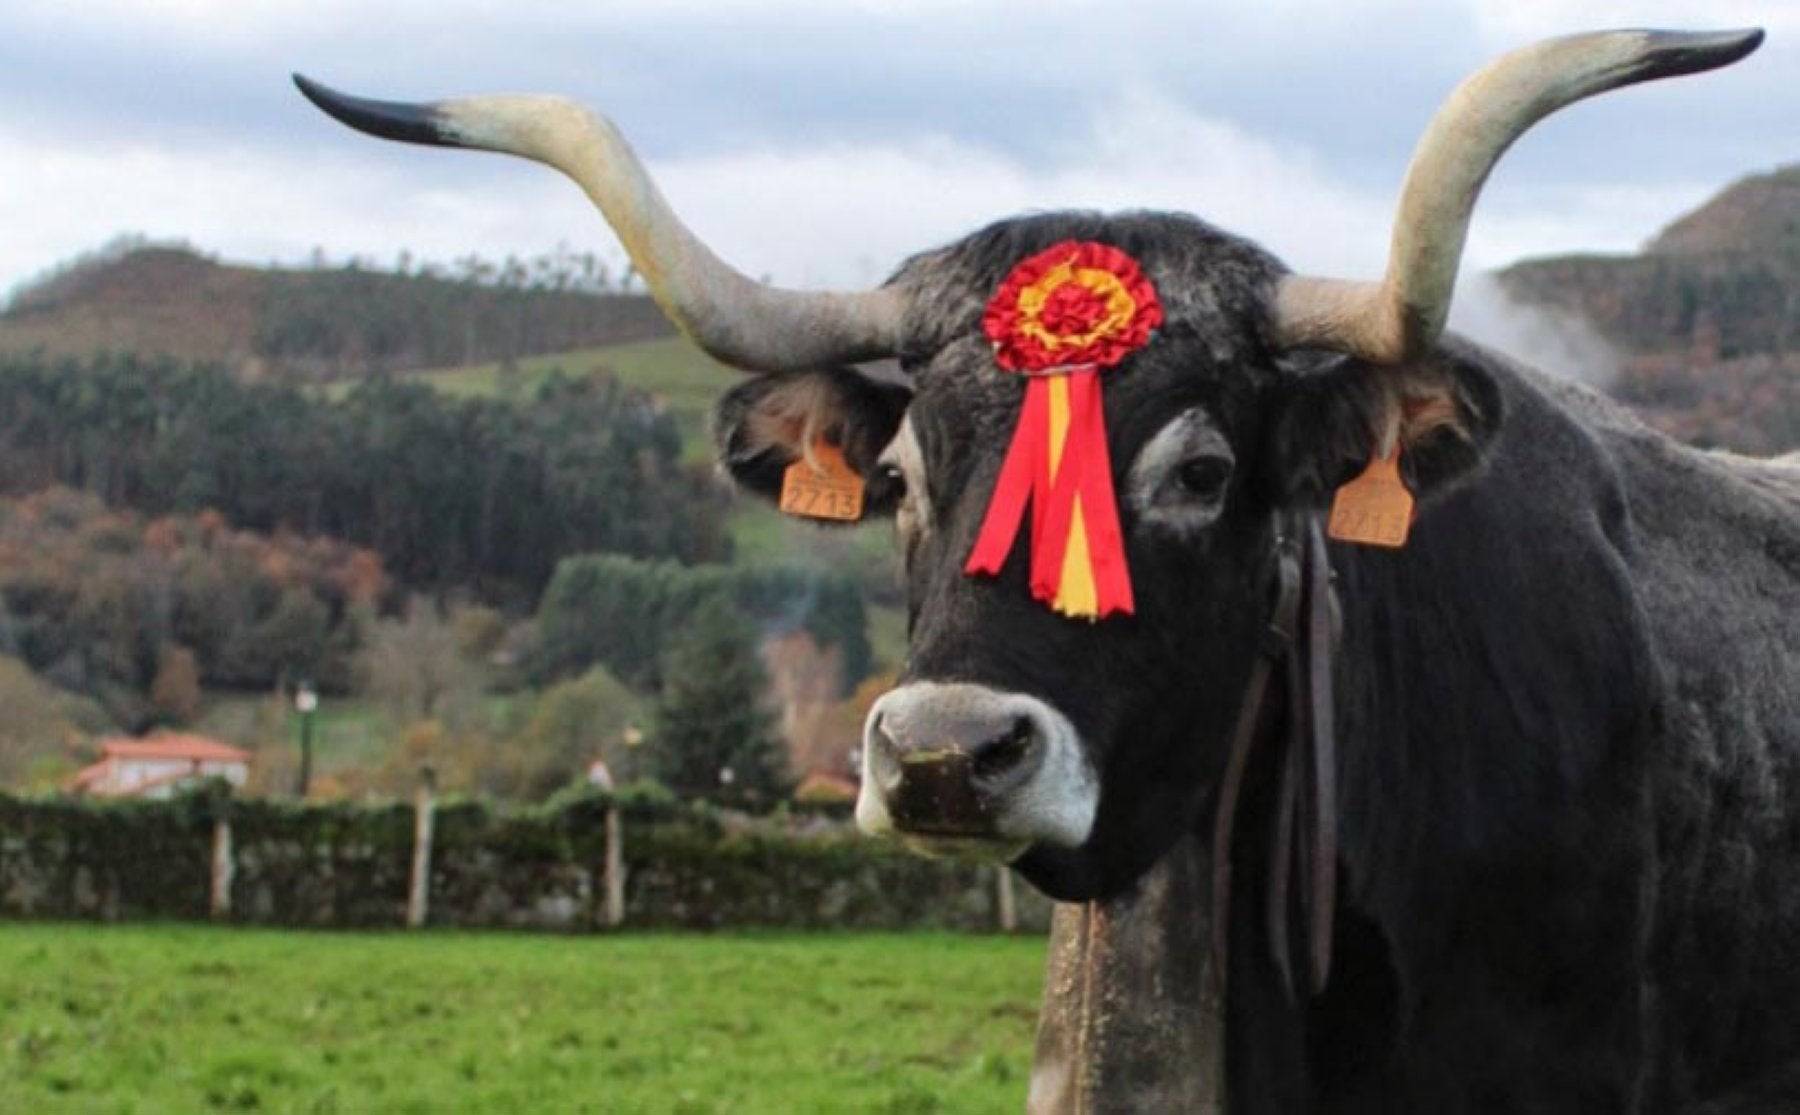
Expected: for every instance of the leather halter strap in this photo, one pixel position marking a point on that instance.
(1304, 838)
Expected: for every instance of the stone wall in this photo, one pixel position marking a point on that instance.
(349, 866)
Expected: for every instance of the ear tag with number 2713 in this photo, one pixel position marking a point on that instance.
(826, 487)
(1375, 509)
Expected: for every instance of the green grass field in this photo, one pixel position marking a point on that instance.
(195, 1019)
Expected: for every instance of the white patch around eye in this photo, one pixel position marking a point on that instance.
(903, 454)
(1155, 485)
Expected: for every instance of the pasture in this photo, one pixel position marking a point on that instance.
(193, 1018)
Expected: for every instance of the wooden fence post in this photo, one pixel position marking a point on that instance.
(418, 894)
(614, 874)
(223, 866)
(1005, 902)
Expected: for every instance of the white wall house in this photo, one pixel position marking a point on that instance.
(156, 767)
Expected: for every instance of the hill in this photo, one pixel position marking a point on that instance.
(43, 728)
(1705, 320)
(1757, 214)
(324, 322)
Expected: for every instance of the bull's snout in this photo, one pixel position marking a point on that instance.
(945, 770)
(947, 764)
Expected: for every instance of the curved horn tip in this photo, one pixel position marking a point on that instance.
(396, 120)
(1672, 53)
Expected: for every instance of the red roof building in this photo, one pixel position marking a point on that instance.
(157, 766)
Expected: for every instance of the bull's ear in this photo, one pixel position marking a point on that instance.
(764, 424)
(1442, 410)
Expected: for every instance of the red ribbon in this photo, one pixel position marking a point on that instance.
(1084, 472)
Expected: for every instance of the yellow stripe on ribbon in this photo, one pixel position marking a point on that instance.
(1077, 594)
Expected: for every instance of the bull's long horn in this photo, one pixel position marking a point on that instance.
(736, 319)
(1403, 315)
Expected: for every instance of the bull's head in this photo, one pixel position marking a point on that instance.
(1082, 750)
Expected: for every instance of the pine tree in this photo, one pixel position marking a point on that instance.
(713, 737)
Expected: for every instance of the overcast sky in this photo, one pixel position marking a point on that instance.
(820, 141)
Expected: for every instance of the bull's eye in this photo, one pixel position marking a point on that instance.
(886, 487)
(1204, 477)
(1179, 480)
(899, 477)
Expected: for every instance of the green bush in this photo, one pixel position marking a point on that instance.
(344, 865)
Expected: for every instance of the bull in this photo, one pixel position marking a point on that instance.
(1505, 818)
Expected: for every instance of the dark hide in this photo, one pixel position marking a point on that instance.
(1569, 709)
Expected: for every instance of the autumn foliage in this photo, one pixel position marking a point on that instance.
(140, 612)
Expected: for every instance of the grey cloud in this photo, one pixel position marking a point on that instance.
(1344, 89)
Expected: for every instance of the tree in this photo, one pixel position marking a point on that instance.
(175, 691)
(713, 737)
(622, 613)
(291, 640)
(574, 723)
(415, 664)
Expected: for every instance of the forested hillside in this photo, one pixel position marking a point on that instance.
(1705, 321)
(141, 613)
(327, 321)
(474, 493)
(183, 547)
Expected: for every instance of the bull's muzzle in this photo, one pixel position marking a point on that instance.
(967, 768)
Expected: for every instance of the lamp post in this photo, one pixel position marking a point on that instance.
(306, 703)
(632, 738)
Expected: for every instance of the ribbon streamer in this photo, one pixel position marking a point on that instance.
(1059, 463)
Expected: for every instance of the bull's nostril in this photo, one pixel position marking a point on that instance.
(1000, 757)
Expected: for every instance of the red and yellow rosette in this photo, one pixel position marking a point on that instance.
(1060, 318)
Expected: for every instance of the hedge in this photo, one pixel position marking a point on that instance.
(347, 865)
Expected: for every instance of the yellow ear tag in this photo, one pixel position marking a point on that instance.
(1375, 509)
(825, 488)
